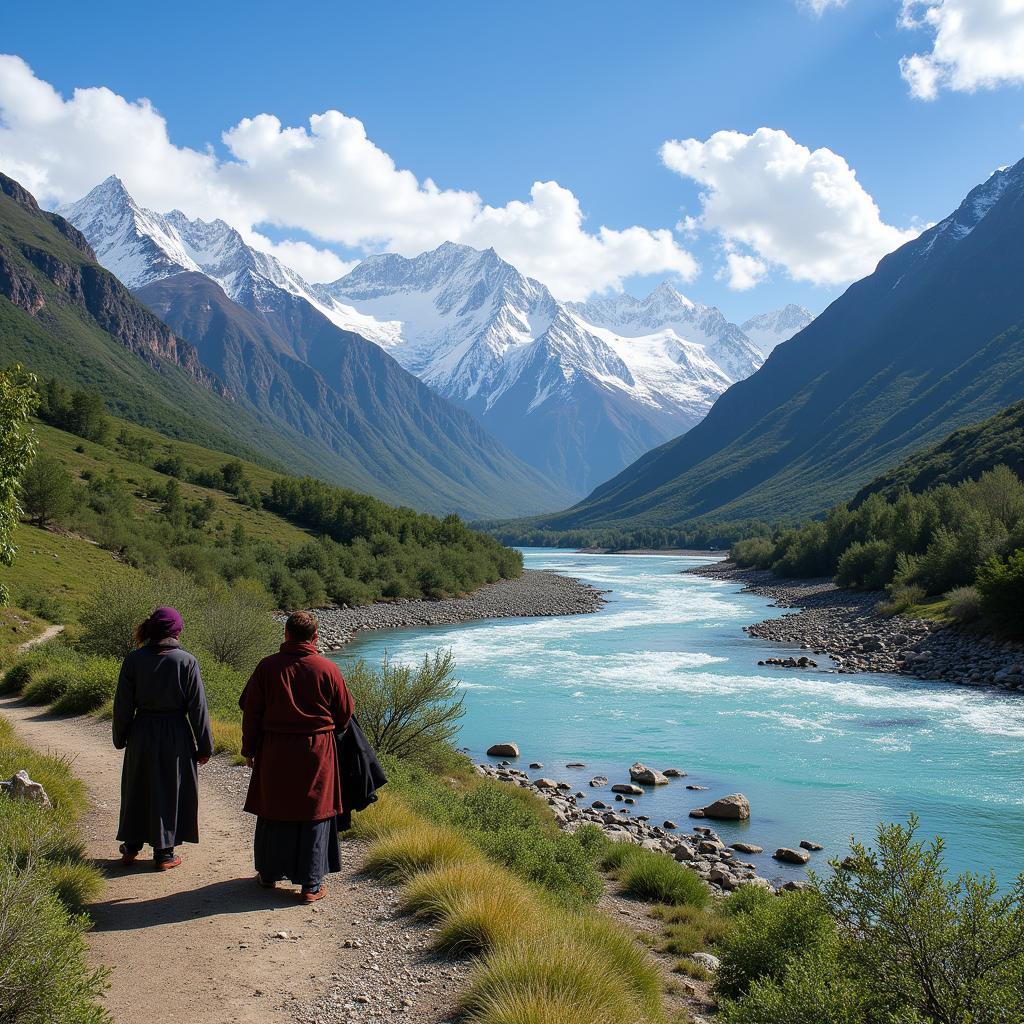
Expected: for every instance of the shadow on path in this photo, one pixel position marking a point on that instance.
(233, 896)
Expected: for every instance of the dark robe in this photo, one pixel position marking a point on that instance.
(162, 723)
(361, 773)
(292, 706)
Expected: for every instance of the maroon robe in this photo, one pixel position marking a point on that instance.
(291, 707)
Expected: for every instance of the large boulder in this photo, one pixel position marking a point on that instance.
(734, 807)
(21, 787)
(503, 750)
(647, 776)
(748, 848)
(788, 856)
(545, 783)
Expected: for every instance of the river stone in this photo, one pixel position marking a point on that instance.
(545, 783)
(647, 776)
(784, 853)
(735, 807)
(697, 812)
(575, 764)
(747, 848)
(503, 750)
(673, 773)
(536, 766)
(807, 844)
(794, 886)
(598, 781)
(625, 787)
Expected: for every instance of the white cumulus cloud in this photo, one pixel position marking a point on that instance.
(326, 179)
(777, 202)
(976, 44)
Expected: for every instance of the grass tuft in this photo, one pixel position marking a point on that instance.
(647, 875)
(400, 855)
(389, 814)
(75, 883)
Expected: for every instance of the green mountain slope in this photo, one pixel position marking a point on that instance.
(375, 428)
(933, 340)
(964, 455)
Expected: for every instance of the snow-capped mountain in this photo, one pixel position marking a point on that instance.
(577, 390)
(367, 421)
(766, 330)
(473, 327)
(666, 309)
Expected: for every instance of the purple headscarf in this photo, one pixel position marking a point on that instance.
(164, 623)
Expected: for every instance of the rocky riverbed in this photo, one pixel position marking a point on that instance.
(535, 593)
(701, 849)
(847, 626)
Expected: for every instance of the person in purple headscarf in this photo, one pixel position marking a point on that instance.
(163, 725)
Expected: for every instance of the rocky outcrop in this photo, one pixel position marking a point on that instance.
(788, 856)
(17, 285)
(734, 807)
(21, 787)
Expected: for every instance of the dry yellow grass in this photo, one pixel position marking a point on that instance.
(399, 855)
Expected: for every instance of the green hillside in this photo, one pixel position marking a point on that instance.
(964, 455)
(142, 503)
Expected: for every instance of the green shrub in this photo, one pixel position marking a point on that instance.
(408, 712)
(754, 552)
(656, 876)
(964, 604)
(50, 684)
(901, 597)
(929, 948)
(1001, 585)
(92, 685)
(768, 936)
(74, 882)
(815, 988)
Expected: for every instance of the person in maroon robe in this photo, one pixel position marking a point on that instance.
(292, 706)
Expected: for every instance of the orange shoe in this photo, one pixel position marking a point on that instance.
(312, 897)
(166, 865)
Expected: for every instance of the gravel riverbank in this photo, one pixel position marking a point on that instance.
(534, 594)
(846, 625)
(721, 866)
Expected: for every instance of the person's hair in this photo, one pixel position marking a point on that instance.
(142, 633)
(301, 625)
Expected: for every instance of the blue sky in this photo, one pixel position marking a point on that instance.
(491, 98)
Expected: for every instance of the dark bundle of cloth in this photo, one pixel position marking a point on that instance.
(361, 773)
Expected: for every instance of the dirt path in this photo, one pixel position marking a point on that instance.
(204, 942)
(47, 634)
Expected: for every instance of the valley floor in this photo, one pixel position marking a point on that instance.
(206, 941)
(847, 626)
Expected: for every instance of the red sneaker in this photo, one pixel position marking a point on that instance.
(312, 897)
(166, 865)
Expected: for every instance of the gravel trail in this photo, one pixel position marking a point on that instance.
(205, 940)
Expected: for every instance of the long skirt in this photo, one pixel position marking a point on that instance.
(159, 784)
(300, 851)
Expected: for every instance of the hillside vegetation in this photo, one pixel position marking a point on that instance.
(964, 455)
(965, 541)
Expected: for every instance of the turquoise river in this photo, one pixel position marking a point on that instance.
(665, 674)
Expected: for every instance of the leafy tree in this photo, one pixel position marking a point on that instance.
(18, 401)
(47, 490)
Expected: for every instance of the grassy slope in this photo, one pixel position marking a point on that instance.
(964, 455)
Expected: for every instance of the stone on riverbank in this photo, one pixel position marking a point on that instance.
(503, 750)
(626, 787)
(647, 776)
(789, 856)
(21, 787)
(807, 844)
(734, 807)
(749, 848)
